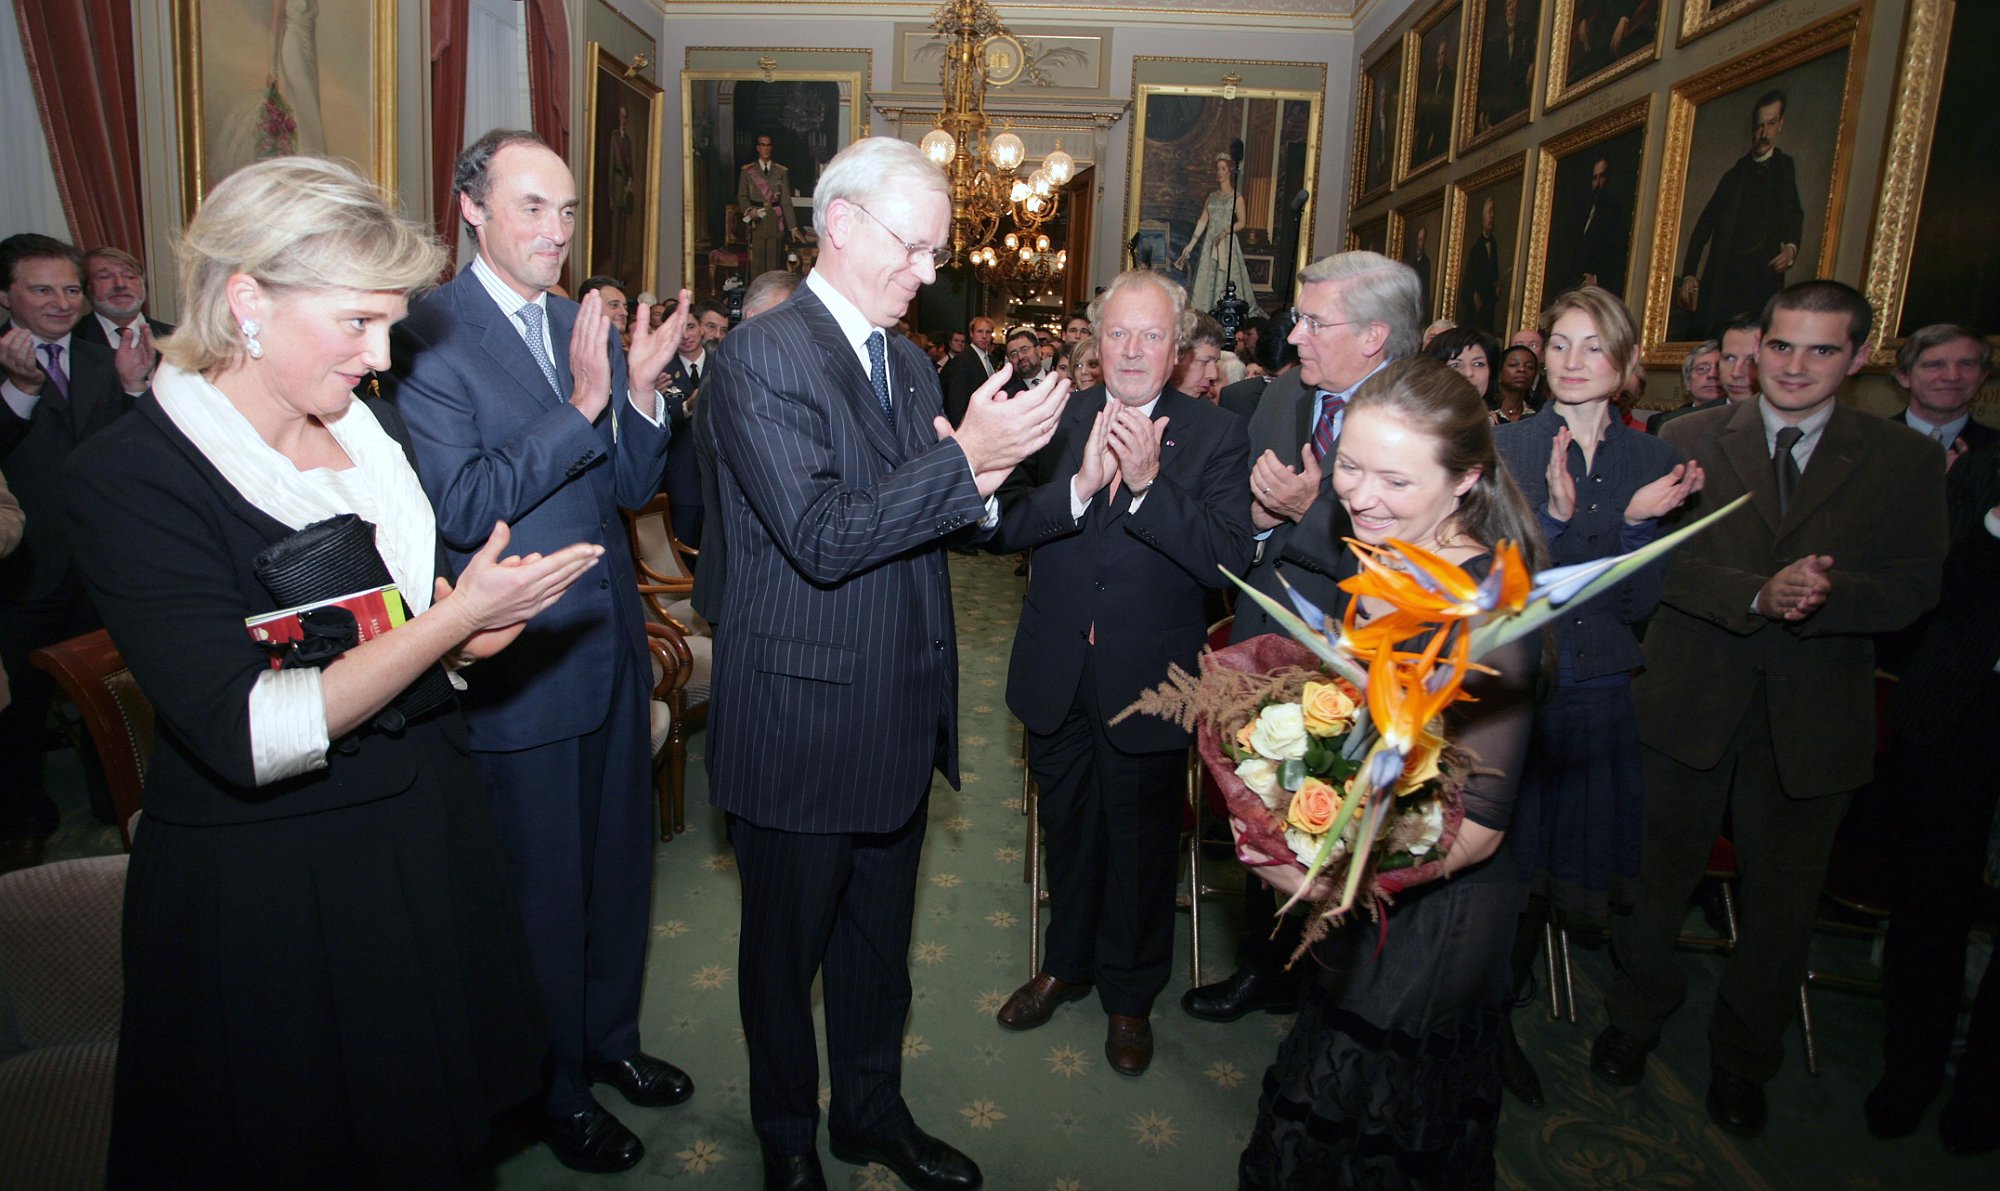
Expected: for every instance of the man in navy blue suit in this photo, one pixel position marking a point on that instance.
(520, 409)
(836, 669)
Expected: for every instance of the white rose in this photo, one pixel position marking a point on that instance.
(1306, 847)
(1262, 778)
(1433, 817)
(1280, 733)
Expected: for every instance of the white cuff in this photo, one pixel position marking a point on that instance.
(1077, 504)
(1993, 522)
(21, 403)
(991, 518)
(287, 725)
(659, 411)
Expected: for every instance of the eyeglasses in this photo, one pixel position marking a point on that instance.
(1315, 326)
(939, 257)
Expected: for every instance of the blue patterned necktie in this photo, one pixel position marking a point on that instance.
(53, 368)
(531, 318)
(878, 373)
(1324, 434)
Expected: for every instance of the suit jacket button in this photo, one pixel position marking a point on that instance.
(1098, 584)
(938, 644)
(603, 583)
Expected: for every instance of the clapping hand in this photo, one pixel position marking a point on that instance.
(1134, 440)
(496, 597)
(651, 349)
(17, 356)
(1278, 493)
(1562, 488)
(590, 359)
(1665, 494)
(1099, 467)
(1000, 431)
(1797, 591)
(135, 356)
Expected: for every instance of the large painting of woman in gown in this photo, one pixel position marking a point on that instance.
(1217, 240)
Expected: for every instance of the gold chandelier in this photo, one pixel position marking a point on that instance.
(986, 186)
(1024, 265)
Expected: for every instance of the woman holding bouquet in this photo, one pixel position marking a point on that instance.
(1390, 1078)
(1599, 488)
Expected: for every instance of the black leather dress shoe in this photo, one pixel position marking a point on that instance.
(793, 1172)
(1517, 1074)
(1035, 1002)
(644, 1080)
(592, 1141)
(1619, 1057)
(1245, 991)
(1736, 1104)
(918, 1159)
(1896, 1104)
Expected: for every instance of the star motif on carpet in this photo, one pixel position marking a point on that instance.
(932, 953)
(915, 1047)
(875, 1177)
(1066, 1185)
(697, 1158)
(946, 881)
(721, 862)
(1152, 1129)
(1001, 919)
(1067, 1123)
(710, 976)
(1223, 1074)
(1007, 855)
(982, 1114)
(1066, 1061)
(958, 823)
(989, 1002)
(988, 1053)
(672, 928)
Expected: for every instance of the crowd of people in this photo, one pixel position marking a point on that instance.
(386, 891)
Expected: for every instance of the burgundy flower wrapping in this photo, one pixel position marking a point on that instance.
(1263, 828)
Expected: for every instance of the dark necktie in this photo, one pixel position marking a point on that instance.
(878, 373)
(694, 376)
(52, 364)
(1787, 465)
(1330, 405)
(531, 319)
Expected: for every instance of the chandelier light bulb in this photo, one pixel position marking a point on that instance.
(1041, 243)
(1007, 151)
(1019, 192)
(1035, 204)
(1060, 165)
(1039, 182)
(938, 146)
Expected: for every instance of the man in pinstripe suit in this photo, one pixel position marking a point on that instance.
(836, 671)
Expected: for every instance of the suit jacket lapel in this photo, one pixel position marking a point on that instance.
(849, 378)
(1833, 463)
(501, 338)
(1304, 403)
(1742, 443)
(562, 323)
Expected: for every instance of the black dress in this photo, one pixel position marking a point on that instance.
(1390, 1077)
(326, 983)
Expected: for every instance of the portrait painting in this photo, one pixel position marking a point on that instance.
(1417, 240)
(1380, 111)
(1372, 236)
(622, 185)
(1595, 41)
(1227, 179)
(1587, 198)
(1704, 16)
(270, 78)
(1501, 37)
(1433, 99)
(1485, 245)
(753, 150)
(1754, 204)
(1954, 247)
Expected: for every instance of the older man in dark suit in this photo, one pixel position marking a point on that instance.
(56, 390)
(1129, 513)
(520, 410)
(836, 669)
(1942, 368)
(1356, 312)
(116, 282)
(1758, 697)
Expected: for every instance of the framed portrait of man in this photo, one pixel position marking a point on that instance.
(1592, 42)
(1706, 16)
(622, 174)
(1482, 265)
(1587, 195)
(1432, 100)
(1372, 236)
(1934, 242)
(1501, 37)
(1751, 183)
(1416, 237)
(1379, 117)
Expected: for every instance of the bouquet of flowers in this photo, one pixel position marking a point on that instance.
(1329, 746)
(277, 131)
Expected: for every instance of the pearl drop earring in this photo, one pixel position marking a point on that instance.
(250, 344)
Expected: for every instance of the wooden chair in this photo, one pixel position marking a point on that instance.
(91, 672)
(666, 581)
(673, 665)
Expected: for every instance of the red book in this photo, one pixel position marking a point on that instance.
(376, 611)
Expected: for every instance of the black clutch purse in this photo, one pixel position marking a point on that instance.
(322, 562)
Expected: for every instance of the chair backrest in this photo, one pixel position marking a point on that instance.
(91, 672)
(60, 926)
(661, 557)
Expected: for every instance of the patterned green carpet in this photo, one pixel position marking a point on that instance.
(1041, 1110)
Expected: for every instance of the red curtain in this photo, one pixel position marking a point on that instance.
(449, 19)
(86, 84)
(548, 73)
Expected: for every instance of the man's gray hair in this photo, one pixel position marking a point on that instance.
(769, 289)
(1696, 352)
(1206, 330)
(1924, 339)
(873, 166)
(1375, 289)
(1184, 315)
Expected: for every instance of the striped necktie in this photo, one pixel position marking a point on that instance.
(531, 319)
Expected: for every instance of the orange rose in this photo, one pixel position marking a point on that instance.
(1313, 807)
(1422, 764)
(1329, 709)
(1243, 736)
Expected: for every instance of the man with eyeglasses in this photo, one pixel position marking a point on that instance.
(836, 668)
(764, 202)
(1356, 312)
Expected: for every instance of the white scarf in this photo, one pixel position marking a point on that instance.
(406, 535)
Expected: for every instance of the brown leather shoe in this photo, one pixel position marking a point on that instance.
(1128, 1044)
(1035, 1002)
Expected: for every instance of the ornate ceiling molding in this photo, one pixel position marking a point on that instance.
(1315, 14)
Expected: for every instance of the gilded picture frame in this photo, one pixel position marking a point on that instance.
(1177, 131)
(1563, 197)
(1417, 238)
(1928, 239)
(1378, 119)
(1699, 17)
(1371, 235)
(1710, 116)
(1499, 90)
(1432, 55)
(813, 114)
(623, 112)
(1583, 54)
(1502, 183)
(259, 78)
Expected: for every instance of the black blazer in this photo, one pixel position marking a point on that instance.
(961, 377)
(166, 547)
(708, 577)
(88, 328)
(1949, 691)
(33, 452)
(836, 660)
(1974, 434)
(1241, 398)
(1141, 578)
(1310, 551)
(682, 478)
